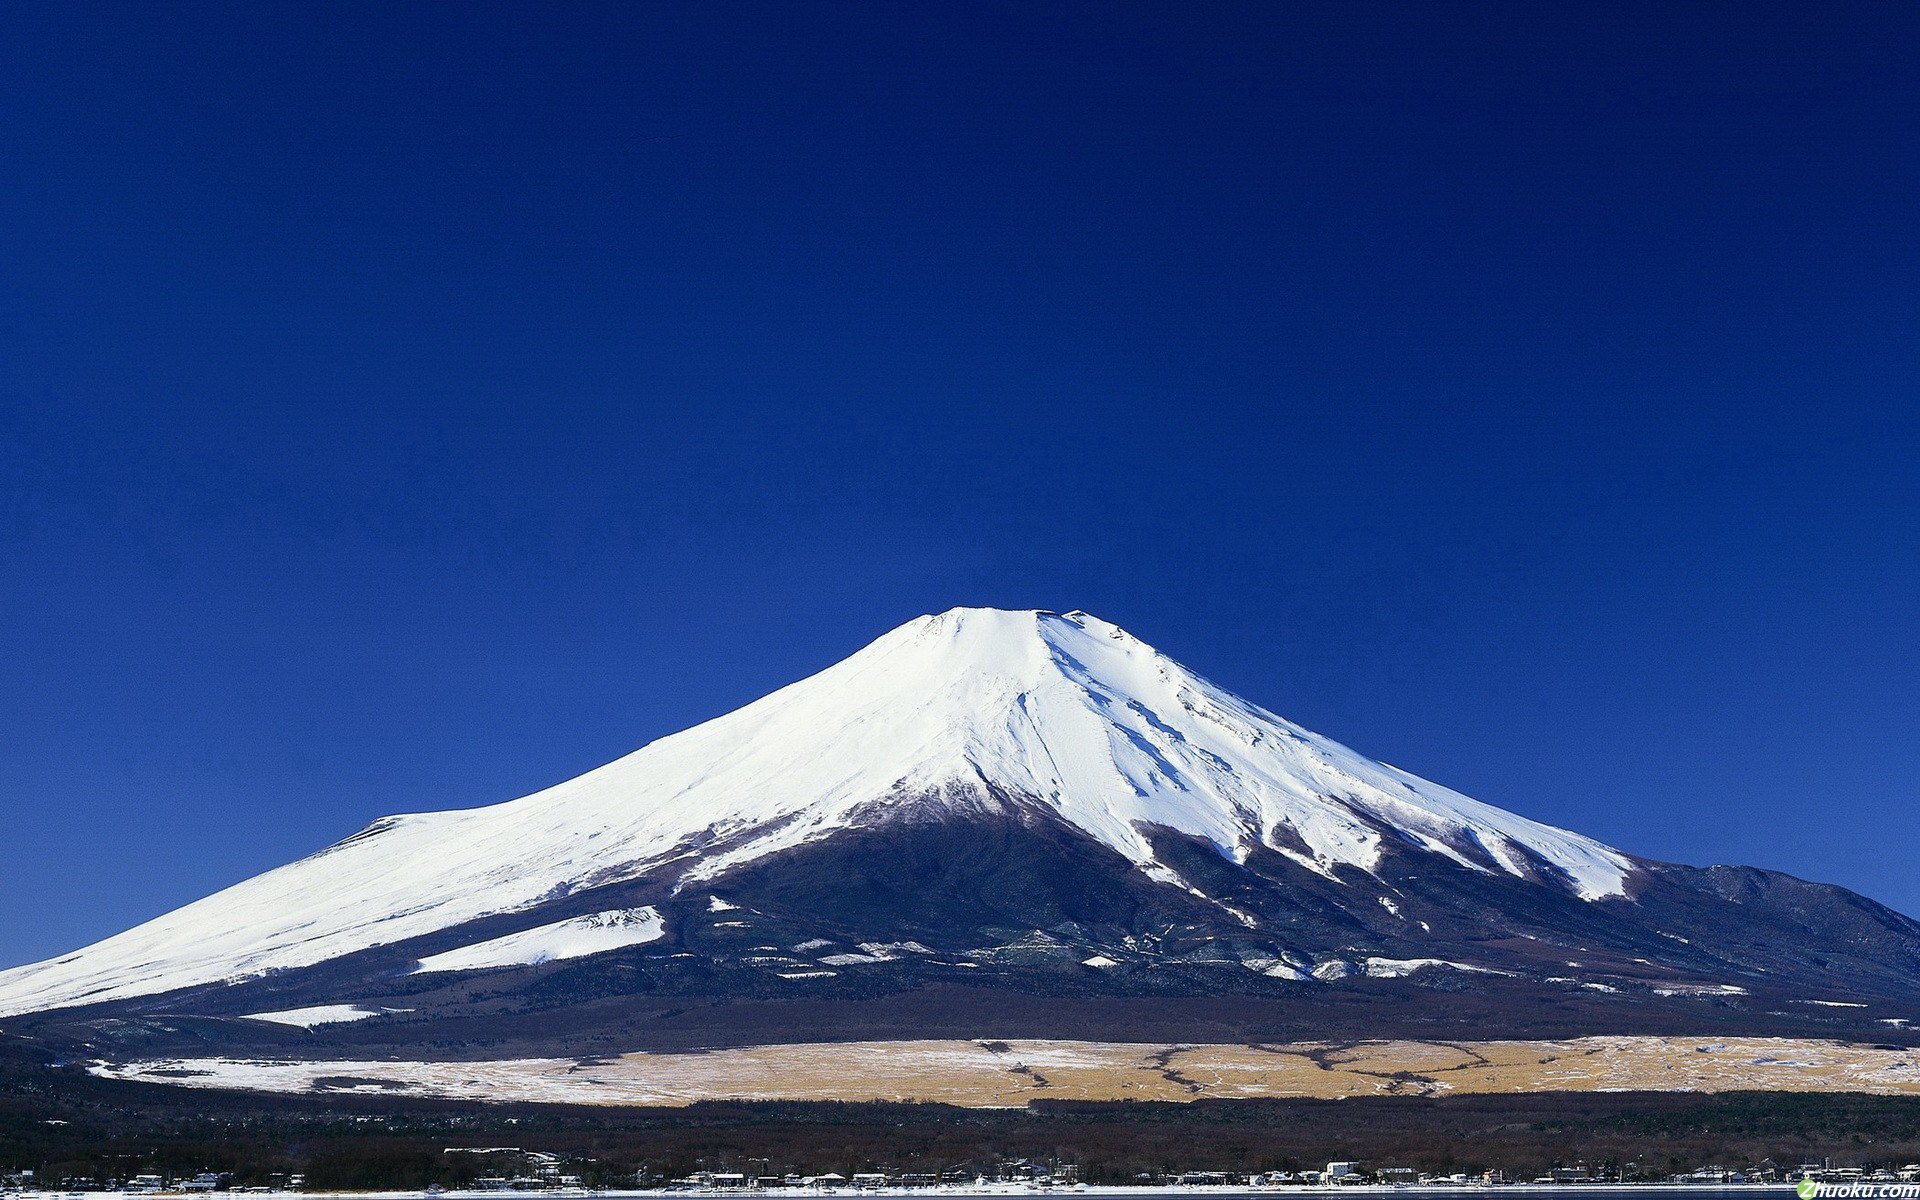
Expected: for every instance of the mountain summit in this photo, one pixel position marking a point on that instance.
(1033, 801)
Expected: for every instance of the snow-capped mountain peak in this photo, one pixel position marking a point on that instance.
(969, 709)
(1074, 712)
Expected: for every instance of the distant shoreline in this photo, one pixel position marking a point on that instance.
(1365, 1189)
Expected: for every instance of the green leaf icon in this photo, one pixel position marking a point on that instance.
(1807, 1189)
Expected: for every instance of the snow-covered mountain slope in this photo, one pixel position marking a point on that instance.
(973, 710)
(576, 937)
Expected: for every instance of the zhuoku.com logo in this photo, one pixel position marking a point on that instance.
(1813, 1189)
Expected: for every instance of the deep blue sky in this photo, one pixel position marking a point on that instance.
(412, 406)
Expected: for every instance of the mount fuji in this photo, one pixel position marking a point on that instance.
(986, 823)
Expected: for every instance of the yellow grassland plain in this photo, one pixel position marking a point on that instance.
(996, 1074)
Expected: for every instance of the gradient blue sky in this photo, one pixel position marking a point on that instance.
(410, 406)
